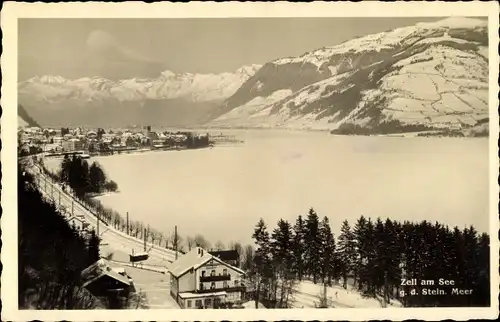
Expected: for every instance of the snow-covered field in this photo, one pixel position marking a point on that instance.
(308, 296)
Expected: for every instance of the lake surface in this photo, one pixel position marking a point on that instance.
(222, 192)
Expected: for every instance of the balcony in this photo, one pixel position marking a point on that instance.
(227, 289)
(215, 278)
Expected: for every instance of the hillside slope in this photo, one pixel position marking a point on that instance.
(24, 119)
(427, 76)
(170, 99)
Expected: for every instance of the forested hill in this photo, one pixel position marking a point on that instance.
(51, 254)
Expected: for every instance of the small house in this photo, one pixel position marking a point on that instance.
(78, 223)
(101, 280)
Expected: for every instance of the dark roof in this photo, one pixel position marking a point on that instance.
(226, 255)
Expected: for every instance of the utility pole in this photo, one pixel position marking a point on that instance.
(127, 225)
(176, 241)
(145, 237)
(72, 207)
(98, 227)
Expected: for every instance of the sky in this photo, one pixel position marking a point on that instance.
(125, 48)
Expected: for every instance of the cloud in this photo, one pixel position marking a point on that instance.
(107, 57)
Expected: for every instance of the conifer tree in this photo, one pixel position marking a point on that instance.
(262, 258)
(282, 255)
(93, 248)
(299, 240)
(97, 178)
(481, 296)
(360, 244)
(346, 251)
(313, 246)
(369, 248)
(327, 252)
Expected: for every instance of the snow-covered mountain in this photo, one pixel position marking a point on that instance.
(46, 97)
(427, 76)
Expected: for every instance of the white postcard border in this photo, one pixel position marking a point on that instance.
(13, 10)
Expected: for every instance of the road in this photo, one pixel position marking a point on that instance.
(110, 237)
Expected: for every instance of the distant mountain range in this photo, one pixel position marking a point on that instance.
(424, 77)
(172, 99)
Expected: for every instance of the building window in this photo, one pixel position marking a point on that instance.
(212, 273)
(202, 273)
(212, 286)
(201, 286)
(189, 303)
(236, 283)
(208, 302)
(224, 284)
(224, 271)
(198, 303)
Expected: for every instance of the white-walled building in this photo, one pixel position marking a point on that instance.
(77, 223)
(201, 280)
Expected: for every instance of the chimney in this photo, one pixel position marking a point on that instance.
(201, 249)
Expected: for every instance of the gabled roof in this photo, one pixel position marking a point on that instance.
(99, 269)
(76, 218)
(216, 259)
(194, 259)
(226, 255)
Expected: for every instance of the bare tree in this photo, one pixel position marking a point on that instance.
(176, 241)
(133, 228)
(160, 238)
(219, 245)
(152, 235)
(190, 242)
(239, 249)
(248, 255)
(200, 241)
(116, 219)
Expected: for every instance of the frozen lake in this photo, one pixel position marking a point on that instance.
(222, 192)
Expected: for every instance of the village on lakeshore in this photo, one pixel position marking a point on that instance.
(91, 142)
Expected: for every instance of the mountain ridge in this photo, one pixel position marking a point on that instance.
(371, 80)
(186, 97)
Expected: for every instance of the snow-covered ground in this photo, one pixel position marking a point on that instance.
(155, 286)
(251, 305)
(308, 296)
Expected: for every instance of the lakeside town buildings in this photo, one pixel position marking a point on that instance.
(99, 141)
